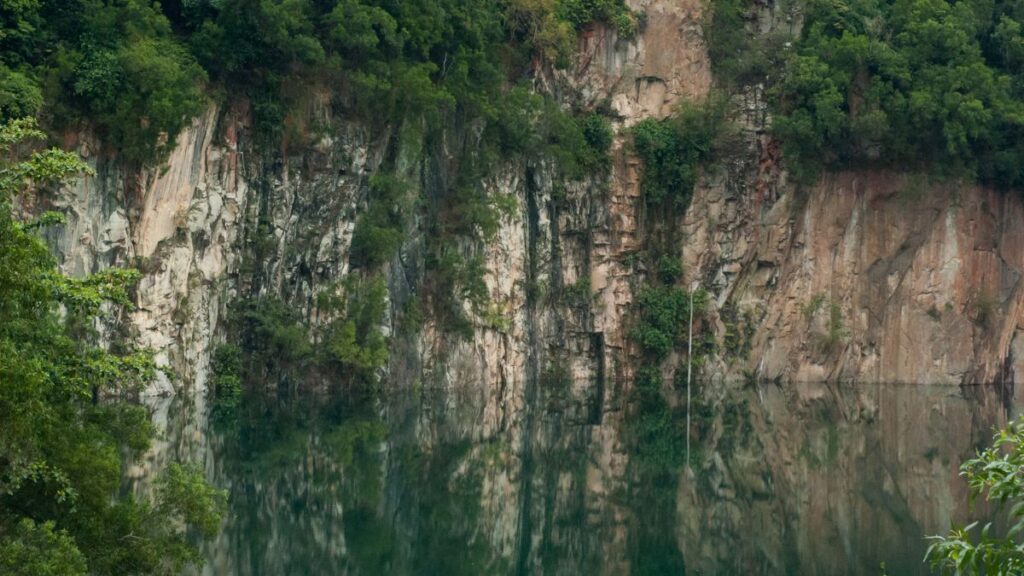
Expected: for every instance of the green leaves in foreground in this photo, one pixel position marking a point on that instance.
(65, 422)
(998, 474)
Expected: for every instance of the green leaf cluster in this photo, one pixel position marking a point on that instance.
(664, 313)
(354, 342)
(380, 229)
(275, 341)
(997, 473)
(582, 12)
(674, 149)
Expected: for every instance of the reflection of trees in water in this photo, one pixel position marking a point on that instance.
(801, 479)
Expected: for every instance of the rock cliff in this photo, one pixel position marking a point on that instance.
(859, 277)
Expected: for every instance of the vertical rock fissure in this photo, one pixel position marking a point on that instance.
(532, 378)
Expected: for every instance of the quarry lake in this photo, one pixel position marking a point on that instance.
(802, 479)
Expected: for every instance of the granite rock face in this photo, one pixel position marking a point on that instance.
(865, 277)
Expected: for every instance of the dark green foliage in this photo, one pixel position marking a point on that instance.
(226, 380)
(353, 342)
(393, 59)
(118, 66)
(669, 269)
(539, 28)
(40, 550)
(579, 294)
(664, 314)
(66, 421)
(674, 149)
(908, 82)
(737, 429)
(528, 124)
(411, 318)
(597, 132)
(996, 475)
(547, 27)
(453, 280)
(20, 97)
(739, 331)
(555, 381)
(274, 339)
(656, 550)
(379, 230)
(740, 55)
(581, 12)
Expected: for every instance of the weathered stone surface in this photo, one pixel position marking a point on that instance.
(867, 277)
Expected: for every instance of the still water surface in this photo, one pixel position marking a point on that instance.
(786, 480)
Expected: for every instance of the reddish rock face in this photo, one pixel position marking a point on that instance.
(869, 277)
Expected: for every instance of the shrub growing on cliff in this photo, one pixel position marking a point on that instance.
(274, 340)
(354, 342)
(615, 12)
(997, 474)
(525, 123)
(740, 53)
(379, 230)
(350, 347)
(673, 149)
(664, 316)
(537, 24)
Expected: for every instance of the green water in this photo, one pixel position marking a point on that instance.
(794, 480)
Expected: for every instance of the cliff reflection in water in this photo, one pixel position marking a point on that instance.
(796, 480)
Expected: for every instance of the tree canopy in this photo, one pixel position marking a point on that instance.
(138, 71)
(931, 84)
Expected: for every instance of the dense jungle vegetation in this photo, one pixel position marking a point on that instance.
(931, 85)
(137, 70)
